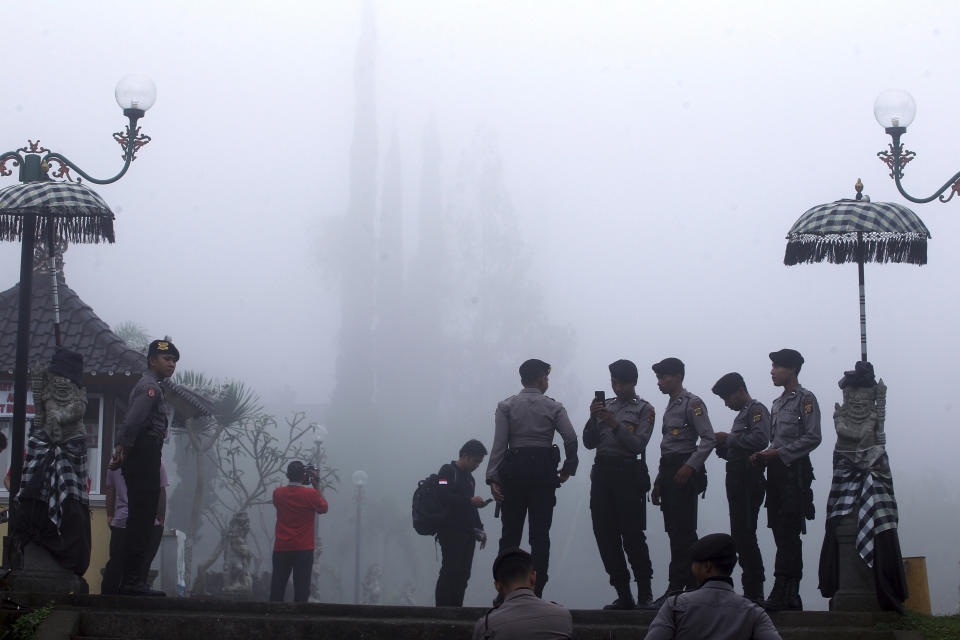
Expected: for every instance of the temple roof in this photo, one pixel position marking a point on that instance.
(106, 357)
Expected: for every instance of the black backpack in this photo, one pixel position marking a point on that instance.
(429, 513)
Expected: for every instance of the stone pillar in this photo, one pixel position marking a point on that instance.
(856, 586)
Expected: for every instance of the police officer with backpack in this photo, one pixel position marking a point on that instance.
(460, 529)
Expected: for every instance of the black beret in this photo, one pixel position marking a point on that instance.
(162, 347)
(624, 371)
(534, 369)
(507, 553)
(718, 547)
(787, 358)
(68, 364)
(862, 376)
(669, 366)
(729, 384)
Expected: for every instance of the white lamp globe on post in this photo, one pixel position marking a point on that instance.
(894, 108)
(135, 91)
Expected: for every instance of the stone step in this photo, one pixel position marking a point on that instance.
(102, 617)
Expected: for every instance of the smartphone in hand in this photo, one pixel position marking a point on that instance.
(599, 396)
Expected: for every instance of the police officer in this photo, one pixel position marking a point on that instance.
(522, 470)
(682, 476)
(712, 611)
(619, 430)
(521, 614)
(795, 432)
(139, 441)
(745, 482)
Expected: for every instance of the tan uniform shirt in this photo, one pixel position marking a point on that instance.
(713, 611)
(684, 422)
(795, 425)
(636, 418)
(524, 616)
(530, 419)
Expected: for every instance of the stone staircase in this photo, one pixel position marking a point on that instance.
(110, 617)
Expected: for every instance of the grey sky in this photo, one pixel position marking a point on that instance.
(656, 154)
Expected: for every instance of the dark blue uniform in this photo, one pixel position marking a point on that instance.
(142, 435)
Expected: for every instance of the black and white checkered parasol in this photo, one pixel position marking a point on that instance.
(855, 230)
(77, 213)
(858, 231)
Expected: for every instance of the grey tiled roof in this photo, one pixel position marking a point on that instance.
(81, 330)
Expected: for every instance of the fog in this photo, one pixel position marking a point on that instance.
(376, 224)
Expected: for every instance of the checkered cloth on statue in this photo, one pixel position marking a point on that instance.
(870, 493)
(55, 472)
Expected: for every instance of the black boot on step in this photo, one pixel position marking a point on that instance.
(624, 599)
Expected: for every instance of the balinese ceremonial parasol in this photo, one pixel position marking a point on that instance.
(858, 231)
(58, 211)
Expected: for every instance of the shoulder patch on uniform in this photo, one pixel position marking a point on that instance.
(653, 415)
(698, 410)
(151, 392)
(808, 407)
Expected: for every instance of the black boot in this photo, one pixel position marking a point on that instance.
(791, 600)
(624, 599)
(644, 594)
(753, 591)
(656, 604)
(776, 600)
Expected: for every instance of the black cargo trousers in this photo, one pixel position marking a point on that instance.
(529, 480)
(618, 508)
(746, 488)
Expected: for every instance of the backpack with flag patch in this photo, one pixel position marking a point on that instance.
(428, 511)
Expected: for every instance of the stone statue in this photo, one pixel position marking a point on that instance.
(371, 585)
(861, 568)
(408, 593)
(59, 405)
(53, 502)
(237, 580)
(860, 419)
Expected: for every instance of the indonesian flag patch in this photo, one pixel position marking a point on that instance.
(151, 392)
(441, 481)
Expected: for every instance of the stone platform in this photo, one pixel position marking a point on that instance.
(94, 617)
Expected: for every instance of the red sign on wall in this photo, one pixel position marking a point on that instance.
(6, 400)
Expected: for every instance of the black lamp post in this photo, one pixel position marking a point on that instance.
(135, 94)
(359, 479)
(895, 110)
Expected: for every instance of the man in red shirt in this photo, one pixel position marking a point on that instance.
(293, 549)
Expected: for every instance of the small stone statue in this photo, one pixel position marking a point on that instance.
(59, 401)
(53, 502)
(861, 568)
(408, 593)
(236, 557)
(860, 419)
(371, 585)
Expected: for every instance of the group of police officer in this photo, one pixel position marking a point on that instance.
(766, 453)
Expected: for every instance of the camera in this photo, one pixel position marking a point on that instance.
(311, 473)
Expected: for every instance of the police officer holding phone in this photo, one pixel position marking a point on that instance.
(522, 470)
(619, 429)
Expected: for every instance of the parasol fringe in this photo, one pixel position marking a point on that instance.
(910, 248)
(77, 227)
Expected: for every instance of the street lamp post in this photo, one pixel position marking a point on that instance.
(895, 109)
(319, 454)
(135, 94)
(359, 479)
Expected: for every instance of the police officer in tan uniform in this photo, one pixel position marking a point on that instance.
(522, 470)
(521, 615)
(687, 441)
(139, 441)
(713, 610)
(795, 432)
(745, 481)
(619, 430)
